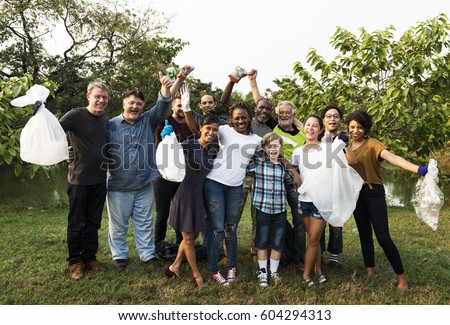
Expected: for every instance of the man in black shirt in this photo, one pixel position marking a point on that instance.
(86, 187)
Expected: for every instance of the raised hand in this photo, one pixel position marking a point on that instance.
(185, 98)
(252, 74)
(166, 83)
(237, 74)
(185, 71)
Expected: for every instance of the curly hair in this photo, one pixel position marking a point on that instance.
(240, 105)
(364, 119)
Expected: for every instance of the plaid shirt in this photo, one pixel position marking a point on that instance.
(269, 192)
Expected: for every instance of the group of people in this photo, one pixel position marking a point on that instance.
(271, 160)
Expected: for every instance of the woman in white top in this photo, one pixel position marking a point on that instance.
(223, 190)
(318, 162)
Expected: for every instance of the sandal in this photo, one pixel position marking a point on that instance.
(309, 282)
(169, 273)
(322, 278)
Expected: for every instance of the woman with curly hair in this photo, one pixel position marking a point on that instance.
(223, 189)
(371, 209)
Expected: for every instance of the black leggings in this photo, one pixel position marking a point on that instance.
(371, 212)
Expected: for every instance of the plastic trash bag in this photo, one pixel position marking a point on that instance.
(170, 159)
(334, 185)
(428, 198)
(43, 140)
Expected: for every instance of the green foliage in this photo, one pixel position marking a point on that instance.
(198, 88)
(108, 40)
(403, 84)
(139, 68)
(12, 120)
(113, 40)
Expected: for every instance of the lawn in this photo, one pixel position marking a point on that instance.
(33, 269)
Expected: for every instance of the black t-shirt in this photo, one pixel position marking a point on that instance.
(88, 137)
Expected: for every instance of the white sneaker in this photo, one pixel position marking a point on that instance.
(218, 278)
(262, 279)
(275, 277)
(232, 274)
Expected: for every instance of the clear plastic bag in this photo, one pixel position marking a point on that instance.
(428, 198)
(334, 185)
(170, 159)
(42, 140)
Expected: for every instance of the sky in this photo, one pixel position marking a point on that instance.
(271, 36)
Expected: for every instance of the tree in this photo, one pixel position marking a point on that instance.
(112, 40)
(198, 88)
(404, 85)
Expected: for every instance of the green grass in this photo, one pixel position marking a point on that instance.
(33, 268)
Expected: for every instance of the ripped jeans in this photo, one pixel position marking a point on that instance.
(222, 204)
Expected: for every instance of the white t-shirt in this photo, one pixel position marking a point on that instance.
(235, 152)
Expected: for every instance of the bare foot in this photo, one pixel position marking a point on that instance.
(402, 282)
(370, 271)
(198, 280)
(175, 270)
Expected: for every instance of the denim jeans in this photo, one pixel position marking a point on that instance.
(298, 224)
(248, 192)
(223, 204)
(86, 204)
(334, 240)
(270, 229)
(371, 213)
(308, 209)
(137, 205)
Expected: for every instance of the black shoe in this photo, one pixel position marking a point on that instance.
(153, 262)
(120, 264)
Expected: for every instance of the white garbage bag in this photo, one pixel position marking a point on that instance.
(428, 198)
(43, 140)
(170, 159)
(334, 185)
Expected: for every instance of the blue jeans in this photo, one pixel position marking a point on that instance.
(298, 224)
(137, 205)
(222, 204)
(270, 229)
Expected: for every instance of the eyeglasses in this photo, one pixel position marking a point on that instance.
(335, 116)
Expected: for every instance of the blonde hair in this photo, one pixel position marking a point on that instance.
(100, 84)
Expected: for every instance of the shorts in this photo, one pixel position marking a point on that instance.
(308, 209)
